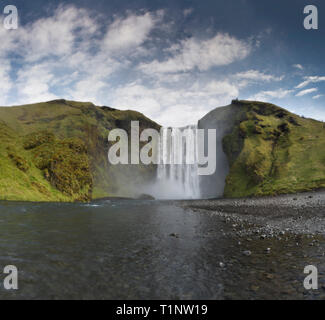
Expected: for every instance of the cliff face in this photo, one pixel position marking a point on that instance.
(57, 151)
(222, 120)
(272, 151)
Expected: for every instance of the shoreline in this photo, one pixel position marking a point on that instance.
(238, 249)
(302, 213)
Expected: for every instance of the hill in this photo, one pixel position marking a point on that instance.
(57, 151)
(271, 151)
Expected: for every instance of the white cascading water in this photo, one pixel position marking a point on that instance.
(177, 174)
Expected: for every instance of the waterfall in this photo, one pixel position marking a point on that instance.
(177, 174)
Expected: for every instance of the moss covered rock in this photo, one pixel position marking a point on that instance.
(65, 165)
(272, 151)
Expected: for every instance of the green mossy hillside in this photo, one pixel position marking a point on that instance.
(57, 151)
(20, 179)
(272, 151)
(64, 163)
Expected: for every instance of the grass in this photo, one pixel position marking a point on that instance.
(272, 151)
(57, 151)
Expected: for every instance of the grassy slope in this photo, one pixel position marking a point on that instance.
(72, 165)
(272, 151)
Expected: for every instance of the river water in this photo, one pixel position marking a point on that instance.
(144, 250)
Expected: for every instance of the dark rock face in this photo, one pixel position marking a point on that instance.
(222, 119)
(146, 197)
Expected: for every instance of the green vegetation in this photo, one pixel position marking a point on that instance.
(57, 151)
(272, 151)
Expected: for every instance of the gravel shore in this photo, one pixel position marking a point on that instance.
(267, 243)
(302, 213)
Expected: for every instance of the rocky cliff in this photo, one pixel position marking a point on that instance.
(222, 120)
(269, 150)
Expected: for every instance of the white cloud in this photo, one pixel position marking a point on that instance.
(266, 95)
(52, 51)
(57, 35)
(215, 88)
(187, 12)
(68, 53)
(33, 84)
(126, 34)
(256, 75)
(193, 53)
(174, 106)
(7, 40)
(298, 66)
(90, 77)
(318, 96)
(5, 81)
(309, 80)
(307, 91)
(88, 90)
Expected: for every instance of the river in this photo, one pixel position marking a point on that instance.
(125, 249)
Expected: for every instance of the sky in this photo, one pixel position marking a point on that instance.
(172, 60)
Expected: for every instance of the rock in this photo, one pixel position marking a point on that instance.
(255, 288)
(145, 197)
(221, 265)
(175, 235)
(247, 253)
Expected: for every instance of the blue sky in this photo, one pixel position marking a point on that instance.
(172, 60)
